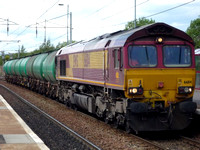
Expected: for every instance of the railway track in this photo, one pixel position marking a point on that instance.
(78, 137)
(177, 142)
(143, 143)
(193, 142)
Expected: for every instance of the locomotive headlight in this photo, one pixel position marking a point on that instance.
(132, 90)
(136, 90)
(185, 90)
(190, 90)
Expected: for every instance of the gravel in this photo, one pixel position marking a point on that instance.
(51, 134)
(96, 131)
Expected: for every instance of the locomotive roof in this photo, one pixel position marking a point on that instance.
(119, 38)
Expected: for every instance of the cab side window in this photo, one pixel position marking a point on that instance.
(116, 60)
(63, 68)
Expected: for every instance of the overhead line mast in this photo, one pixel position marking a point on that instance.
(135, 16)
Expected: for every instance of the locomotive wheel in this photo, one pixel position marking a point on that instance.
(74, 107)
(128, 128)
(106, 120)
(116, 124)
(68, 104)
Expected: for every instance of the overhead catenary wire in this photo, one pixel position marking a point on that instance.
(48, 9)
(3, 20)
(169, 9)
(30, 26)
(98, 10)
(26, 27)
(158, 13)
(124, 10)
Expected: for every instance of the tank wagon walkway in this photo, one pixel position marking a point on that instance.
(14, 133)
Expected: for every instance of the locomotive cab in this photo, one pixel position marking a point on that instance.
(160, 79)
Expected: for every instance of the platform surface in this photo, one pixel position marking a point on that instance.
(14, 132)
(198, 111)
(196, 97)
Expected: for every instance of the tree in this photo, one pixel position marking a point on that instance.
(139, 22)
(1, 60)
(63, 44)
(7, 57)
(45, 47)
(60, 45)
(22, 52)
(194, 31)
(22, 49)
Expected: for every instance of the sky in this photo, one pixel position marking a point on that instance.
(90, 18)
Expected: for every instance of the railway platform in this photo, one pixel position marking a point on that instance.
(198, 111)
(196, 98)
(14, 133)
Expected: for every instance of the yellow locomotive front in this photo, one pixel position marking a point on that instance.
(159, 81)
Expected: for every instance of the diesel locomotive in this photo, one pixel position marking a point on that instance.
(142, 79)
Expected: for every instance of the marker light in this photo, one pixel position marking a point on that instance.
(159, 40)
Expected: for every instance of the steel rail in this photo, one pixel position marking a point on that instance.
(150, 143)
(191, 140)
(91, 145)
(73, 133)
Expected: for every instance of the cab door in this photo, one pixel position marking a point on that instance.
(115, 78)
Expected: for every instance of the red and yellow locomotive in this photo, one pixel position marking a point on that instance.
(142, 78)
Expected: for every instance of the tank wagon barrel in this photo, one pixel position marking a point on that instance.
(13, 67)
(17, 67)
(22, 66)
(29, 66)
(49, 67)
(5, 68)
(142, 79)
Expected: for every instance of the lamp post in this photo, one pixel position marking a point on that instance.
(68, 24)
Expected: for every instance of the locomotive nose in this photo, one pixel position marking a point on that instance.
(160, 87)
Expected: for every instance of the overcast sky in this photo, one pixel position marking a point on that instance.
(90, 18)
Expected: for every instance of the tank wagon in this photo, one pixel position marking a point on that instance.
(34, 72)
(142, 79)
